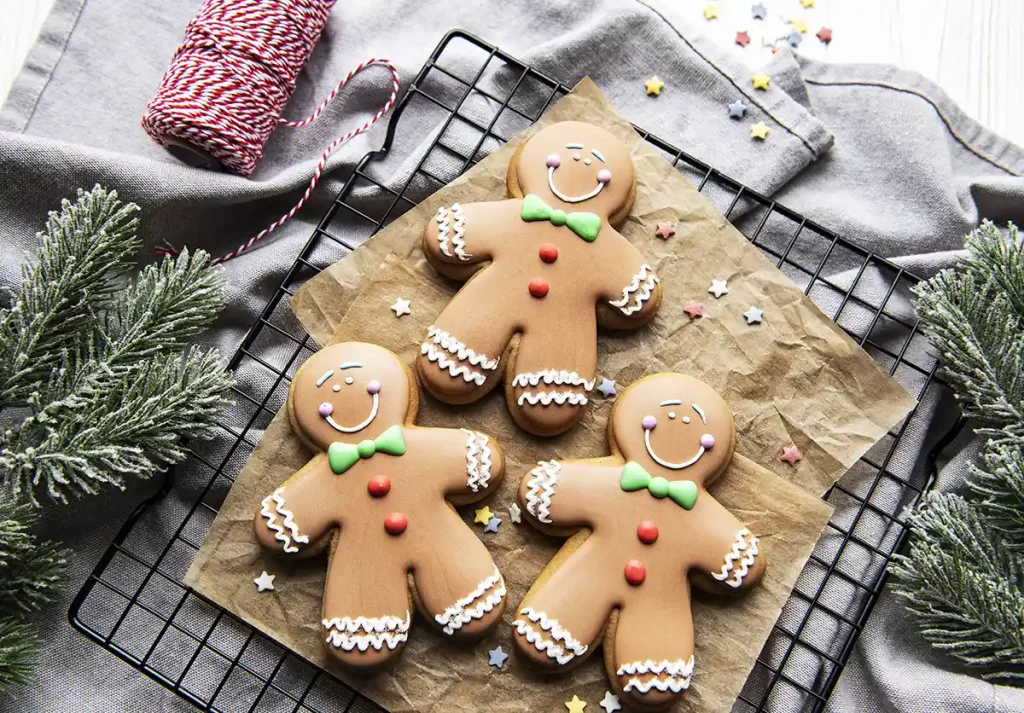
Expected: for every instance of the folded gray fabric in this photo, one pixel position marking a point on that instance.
(877, 154)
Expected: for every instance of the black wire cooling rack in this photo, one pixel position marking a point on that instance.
(135, 605)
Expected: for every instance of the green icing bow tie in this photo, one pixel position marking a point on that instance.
(634, 477)
(343, 456)
(585, 225)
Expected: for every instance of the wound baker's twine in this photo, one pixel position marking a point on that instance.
(229, 80)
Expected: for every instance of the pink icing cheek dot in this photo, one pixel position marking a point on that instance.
(553, 161)
(649, 423)
(373, 387)
(325, 409)
(604, 176)
(707, 440)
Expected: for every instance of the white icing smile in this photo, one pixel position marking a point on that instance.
(571, 199)
(706, 441)
(668, 464)
(359, 427)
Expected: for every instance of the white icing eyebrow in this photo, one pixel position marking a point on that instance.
(574, 146)
(351, 365)
(327, 375)
(599, 155)
(700, 412)
(671, 402)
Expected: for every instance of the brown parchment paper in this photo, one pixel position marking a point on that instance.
(796, 378)
(436, 674)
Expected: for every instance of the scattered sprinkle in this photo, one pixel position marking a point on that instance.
(794, 38)
(824, 34)
(719, 288)
(737, 110)
(611, 702)
(496, 657)
(742, 38)
(576, 705)
(761, 80)
(694, 309)
(515, 514)
(711, 11)
(654, 85)
(400, 307)
(807, 3)
(483, 515)
(754, 315)
(665, 231)
(791, 454)
(759, 131)
(265, 582)
(492, 524)
(799, 24)
(607, 388)
(759, 11)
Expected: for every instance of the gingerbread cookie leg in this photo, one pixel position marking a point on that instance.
(649, 650)
(457, 584)
(562, 616)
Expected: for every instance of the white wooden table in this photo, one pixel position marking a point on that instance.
(974, 49)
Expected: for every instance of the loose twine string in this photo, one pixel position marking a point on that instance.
(230, 78)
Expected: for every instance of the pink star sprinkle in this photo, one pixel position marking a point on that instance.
(665, 231)
(694, 309)
(791, 454)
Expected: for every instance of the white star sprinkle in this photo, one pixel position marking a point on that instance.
(515, 514)
(607, 387)
(265, 582)
(611, 702)
(753, 315)
(718, 288)
(400, 307)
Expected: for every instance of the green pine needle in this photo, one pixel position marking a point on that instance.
(30, 572)
(19, 643)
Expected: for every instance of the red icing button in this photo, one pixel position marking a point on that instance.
(635, 572)
(548, 252)
(538, 287)
(647, 531)
(379, 486)
(396, 522)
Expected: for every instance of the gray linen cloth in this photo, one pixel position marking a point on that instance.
(875, 153)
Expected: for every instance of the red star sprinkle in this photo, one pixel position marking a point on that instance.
(694, 309)
(825, 35)
(791, 454)
(742, 38)
(665, 231)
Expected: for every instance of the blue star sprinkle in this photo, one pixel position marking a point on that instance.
(759, 11)
(496, 658)
(492, 524)
(737, 110)
(794, 39)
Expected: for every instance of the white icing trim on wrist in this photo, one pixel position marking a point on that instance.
(453, 346)
(457, 615)
(276, 499)
(364, 632)
(546, 398)
(540, 488)
(458, 234)
(552, 376)
(634, 289)
(561, 646)
(454, 368)
(737, 554)
(478, 460)
(677, 675)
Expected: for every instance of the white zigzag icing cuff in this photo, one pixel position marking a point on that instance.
(457, 225)
(553, 376)
(454, 368)
(478, 460)
(676, 679)
(287, 532)
(739, 571)
(453, 346)
(365, 633)
(561, 647)
(540, 489)
(634, 289)
(546, 398)
(457, 615)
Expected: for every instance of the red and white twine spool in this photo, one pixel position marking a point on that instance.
(230, 78)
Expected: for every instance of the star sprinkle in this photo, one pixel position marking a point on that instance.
(496, 657)
(611, 702)
(759, 11)
(483, 515)
(607, 388)
(665, 231)
(737, 110)
(654, 85)
(791, 454)
(807, 3)
(754, 315)
(265, 582)
(824, 34)
(710, 11)
(694, 309)
(576, 705)
(761, 81)
(400, 307)
(799, 24)
(492, 524)
(742, 38)
(719, 288)
(515, 514)
(759, 131)
(794, 38)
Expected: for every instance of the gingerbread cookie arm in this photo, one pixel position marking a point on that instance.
(293, 518)
(730, 555)
(466, 233)
(628, 283)
(558, 495)
(467, 464)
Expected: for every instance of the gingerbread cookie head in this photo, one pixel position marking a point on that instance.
(676, 426)
(349, 392)
(577, 167)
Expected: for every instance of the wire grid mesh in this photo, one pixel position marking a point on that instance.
(135, 605)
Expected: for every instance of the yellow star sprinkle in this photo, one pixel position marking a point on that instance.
(761, 81)
(759, 131)
(483, 515)
(654, 85)
(710, 11)
(807, 3)
(575, 705)
(799, 24)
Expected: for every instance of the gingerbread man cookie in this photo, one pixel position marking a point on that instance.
(552, 255)
(650, 527)
(379, 493)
